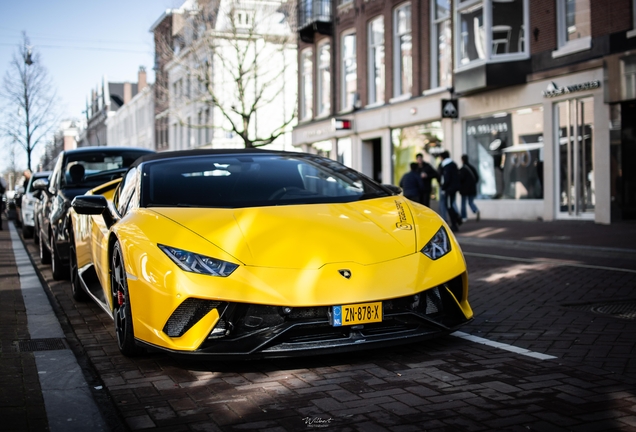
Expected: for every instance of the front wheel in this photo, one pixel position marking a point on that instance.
(122, 312)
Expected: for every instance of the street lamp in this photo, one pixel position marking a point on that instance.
(27, 57)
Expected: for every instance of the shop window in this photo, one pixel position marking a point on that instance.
(403, 50)
(349, 72)
(441, 45)
(376, 61)
(324, 79)
(345, 152)
(322, 148)
(574, 30)
(407, 142)
(306, 85)
(507, 149)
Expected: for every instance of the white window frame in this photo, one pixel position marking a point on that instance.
(435, 21)
(306, 111)
(398, 91)
(345, 104)
(486, 6)
(568, 47)
(373, 96)
(323, 109)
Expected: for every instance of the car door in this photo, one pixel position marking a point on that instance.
(49, 200)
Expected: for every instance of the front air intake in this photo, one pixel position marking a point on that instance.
(188, 314)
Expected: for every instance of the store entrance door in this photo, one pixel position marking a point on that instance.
(372, 158)
(627, 176)
(575, 129)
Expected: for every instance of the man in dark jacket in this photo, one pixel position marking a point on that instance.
(468, 179)
(428, 173)
(450, 187)
(412, 184)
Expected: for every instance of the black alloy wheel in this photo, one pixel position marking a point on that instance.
(45, 254)
(122, 312)
(76, 285)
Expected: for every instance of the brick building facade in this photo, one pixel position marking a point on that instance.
(544, 91)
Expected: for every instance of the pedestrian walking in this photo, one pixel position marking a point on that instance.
(412, 184)
(468, 179)
(450, 187)
(428, 173)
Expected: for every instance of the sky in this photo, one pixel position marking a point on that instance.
(80, 42)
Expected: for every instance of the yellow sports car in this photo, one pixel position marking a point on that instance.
(235, 253)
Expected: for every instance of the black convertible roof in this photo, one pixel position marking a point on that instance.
(208, 152)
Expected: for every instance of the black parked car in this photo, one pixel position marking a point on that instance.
(76, 171)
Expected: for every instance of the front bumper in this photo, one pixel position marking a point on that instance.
(259, 331)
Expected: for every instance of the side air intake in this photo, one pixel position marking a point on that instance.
(188, 314)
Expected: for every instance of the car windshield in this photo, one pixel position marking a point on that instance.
(92, 169)
(232, 181)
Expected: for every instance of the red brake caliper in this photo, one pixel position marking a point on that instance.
(120, 298)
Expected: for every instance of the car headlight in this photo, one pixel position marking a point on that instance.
(438, 246)
(195, 263)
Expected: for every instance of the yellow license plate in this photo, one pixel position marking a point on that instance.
(361, 313)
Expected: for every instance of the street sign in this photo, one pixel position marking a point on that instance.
(341, 124)
(450, 108)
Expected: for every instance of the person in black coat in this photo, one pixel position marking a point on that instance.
(412, 184)
(428, 173)
(468, 179)
(450, 187)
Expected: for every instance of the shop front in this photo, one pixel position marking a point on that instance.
(542, 149)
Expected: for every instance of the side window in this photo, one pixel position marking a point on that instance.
(126, 191)
(54, 183)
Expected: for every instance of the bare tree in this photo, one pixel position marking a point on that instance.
(29, 100)
(236, 66)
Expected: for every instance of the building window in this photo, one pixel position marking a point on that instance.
(491, 30)
(507, 150)
(306, 83)
(442, 48)
(574, 30)
(345, 152)
(349, 71)
(376, 61)
(324, 79)
(472, 40)
(508, 29)
(403, 50)
(629, 78)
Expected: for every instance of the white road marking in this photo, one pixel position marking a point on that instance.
(502, 346)
(554, 262)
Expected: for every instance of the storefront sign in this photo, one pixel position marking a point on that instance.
(554, 90)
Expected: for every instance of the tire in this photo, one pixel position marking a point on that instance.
(59, 270)
(122, 312)
(45, 254)
(76, 285)
(27, 232)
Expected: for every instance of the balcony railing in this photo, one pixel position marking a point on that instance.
(314, 16)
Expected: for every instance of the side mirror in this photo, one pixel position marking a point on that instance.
(41, 184)
(395, 190)
(89, 204)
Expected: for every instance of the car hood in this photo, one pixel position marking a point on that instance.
(306, 236)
